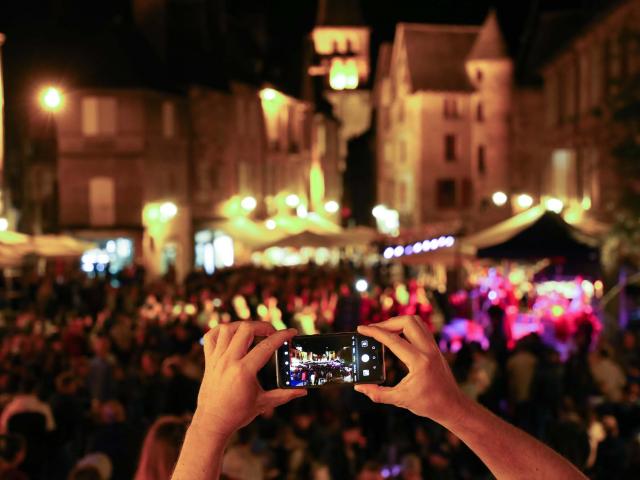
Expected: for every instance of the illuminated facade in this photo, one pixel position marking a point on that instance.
(579, 83)
(119, 152)
(442, 96)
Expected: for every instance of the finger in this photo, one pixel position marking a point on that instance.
(209, 343)
(403, 349)
(239, 344)
(225, 332)
(378, 394)
(413, 329)
(261, 353)
(259, 329)
(280, 396)
(245, 334)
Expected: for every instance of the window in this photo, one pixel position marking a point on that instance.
(467, 193)
(482, 161)
(98, 116)
(101, 201)
(450, 108)
(402, 151)
(450, 148)
(446, 193)
(480, 112)
(596, 75)
(168, 119)
(583, 79)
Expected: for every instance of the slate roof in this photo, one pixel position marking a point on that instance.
(490, 44)
(436, 56)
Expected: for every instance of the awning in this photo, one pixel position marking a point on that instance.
(534, 234)
(303, 239)
(59, 246)
(246, 231)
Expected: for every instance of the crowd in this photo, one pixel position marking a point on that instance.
(99, 377)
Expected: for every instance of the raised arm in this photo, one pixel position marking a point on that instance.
(429, 390)
(230, 396)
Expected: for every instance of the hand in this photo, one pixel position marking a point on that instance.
(429, 389)
(230, 396)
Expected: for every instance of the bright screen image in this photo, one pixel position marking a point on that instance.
(314, 363)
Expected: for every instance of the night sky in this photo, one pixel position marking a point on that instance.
(276, 27)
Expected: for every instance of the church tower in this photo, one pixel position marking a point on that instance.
(341, 47)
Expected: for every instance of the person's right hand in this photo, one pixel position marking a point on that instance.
(429, 389)
(230, 396)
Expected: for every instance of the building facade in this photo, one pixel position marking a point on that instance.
(122, 171)
(580, 82)
(443, 100)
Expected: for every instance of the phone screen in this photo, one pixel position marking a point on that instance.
(317, 360)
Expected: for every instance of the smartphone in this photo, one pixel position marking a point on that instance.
(310, 361)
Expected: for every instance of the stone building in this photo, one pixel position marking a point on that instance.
(580, 81)
(443, 97)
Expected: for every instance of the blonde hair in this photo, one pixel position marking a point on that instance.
(161, 449)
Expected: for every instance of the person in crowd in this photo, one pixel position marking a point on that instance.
(27, 401)
(161, 448)
(608, 375)
(12, 454)
(230, 398)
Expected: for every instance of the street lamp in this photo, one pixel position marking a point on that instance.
(51, 99)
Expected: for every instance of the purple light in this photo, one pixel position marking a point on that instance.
(492, 295)
(388, 252)
(442, 241)
(395, 470)
(434, 244)
(408, 250)
(426, 246)
(386, 473)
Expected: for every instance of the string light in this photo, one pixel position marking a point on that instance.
(427, 245)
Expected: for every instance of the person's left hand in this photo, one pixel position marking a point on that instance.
(230, 396)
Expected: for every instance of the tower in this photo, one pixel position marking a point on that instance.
(490, 70)
(341, 46)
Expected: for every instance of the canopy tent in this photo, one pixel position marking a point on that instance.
(357, 236)
(14, 246)
(59, 246)
(533, 234)
(303, 239)
(246, 231)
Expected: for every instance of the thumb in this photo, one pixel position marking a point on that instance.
(280, 396)
(377, 393)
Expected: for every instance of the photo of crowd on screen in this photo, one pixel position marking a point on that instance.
(315, 363)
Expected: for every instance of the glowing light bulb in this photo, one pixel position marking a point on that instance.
(332, 206)
(362, 285)
(524, 201)
(499, 198)
(248, 204)
(51, 99)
